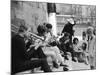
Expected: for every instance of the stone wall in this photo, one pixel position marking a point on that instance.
(30, 13)
(83, 13)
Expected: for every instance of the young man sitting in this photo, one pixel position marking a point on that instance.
(19, 54)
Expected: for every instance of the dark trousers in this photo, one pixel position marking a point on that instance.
(31, 64)
(36, 53)
(40, 53)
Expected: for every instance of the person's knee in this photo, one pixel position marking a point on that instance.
(53, 54)
(56, 49)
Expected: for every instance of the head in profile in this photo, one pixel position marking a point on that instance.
(23, 30)
(84, 46)
(49, 27)
(75, 41)
(42, 30)
(71, 21)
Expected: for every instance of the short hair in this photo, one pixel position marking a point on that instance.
(48, 25)
(22, 28)
(41, 29)
(75, 40)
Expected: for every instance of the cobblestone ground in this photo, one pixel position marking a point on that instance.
(72, 66)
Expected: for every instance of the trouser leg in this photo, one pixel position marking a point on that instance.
(52, 54)
(45, 66)
(40, 53)
(92, 62)
(31, 64)
(58, 55)
(41, 62)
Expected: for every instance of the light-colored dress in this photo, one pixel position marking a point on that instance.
(92, 51)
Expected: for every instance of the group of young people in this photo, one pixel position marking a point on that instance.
(29, 51)
(85, 50)
(24, 49)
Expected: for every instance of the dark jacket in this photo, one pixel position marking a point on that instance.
(68, 28)
(20, 57)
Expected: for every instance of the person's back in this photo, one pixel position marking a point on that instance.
(18, 53)
(18, 48)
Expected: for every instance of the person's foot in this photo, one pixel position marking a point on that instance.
(66, 57)
(64, 64)
(92, 67)
(55, 65)
(74, 59)
(65, 69)
(86, 63)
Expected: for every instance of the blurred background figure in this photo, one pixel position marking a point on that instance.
(68, 28)
(91, 47)
(84, 36)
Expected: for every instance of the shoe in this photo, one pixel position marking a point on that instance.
(55, 65)
(73, 59)
(65, 65)
(65, 69)
(86, 63)
(66, 58)
(92, 67)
